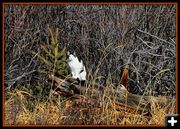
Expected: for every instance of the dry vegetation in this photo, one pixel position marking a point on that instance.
(106, 37)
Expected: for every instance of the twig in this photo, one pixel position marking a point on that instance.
(155, 37)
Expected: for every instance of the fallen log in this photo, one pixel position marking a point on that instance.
(123, 99)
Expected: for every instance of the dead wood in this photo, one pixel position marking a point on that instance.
(123, 99)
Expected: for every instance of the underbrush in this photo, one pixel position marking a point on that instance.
(22, 108)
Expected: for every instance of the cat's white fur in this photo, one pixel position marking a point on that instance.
(77, 67)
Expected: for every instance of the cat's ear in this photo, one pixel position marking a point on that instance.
(68, 53)
(74, 53)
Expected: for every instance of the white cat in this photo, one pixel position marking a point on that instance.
(77, 68)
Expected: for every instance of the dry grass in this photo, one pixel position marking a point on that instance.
(80, 110)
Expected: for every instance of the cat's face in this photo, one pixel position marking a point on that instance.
(71, 57)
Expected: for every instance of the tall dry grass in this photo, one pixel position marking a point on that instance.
(84, 109)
